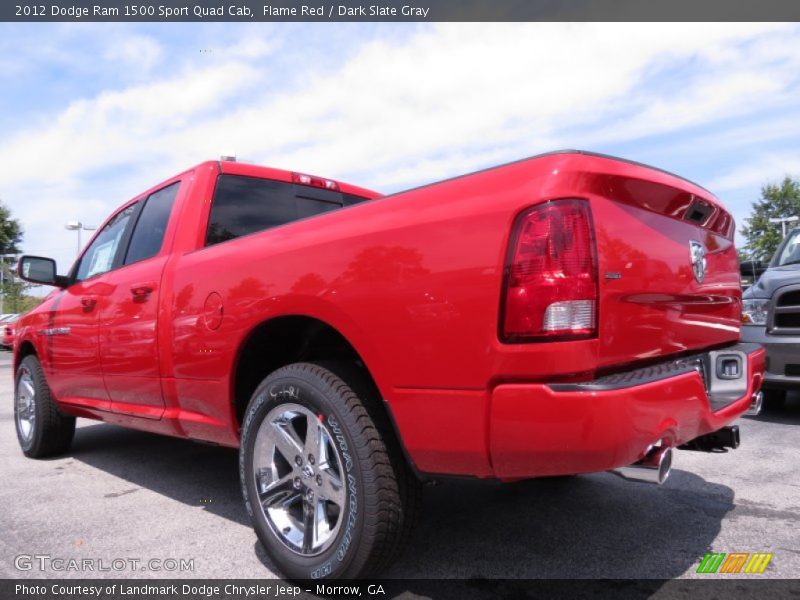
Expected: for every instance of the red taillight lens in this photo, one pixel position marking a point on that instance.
(551, 274)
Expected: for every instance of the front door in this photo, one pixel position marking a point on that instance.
(72, 349)
(72, 345)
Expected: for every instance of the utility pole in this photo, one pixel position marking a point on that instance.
(78, 226)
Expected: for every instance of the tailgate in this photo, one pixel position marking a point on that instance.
(668, 270)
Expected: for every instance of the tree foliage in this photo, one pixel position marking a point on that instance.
(14, 296)
(10, 232)
(777, 200)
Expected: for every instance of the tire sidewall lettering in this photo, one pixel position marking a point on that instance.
(352, 504)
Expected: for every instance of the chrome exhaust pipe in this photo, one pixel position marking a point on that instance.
(756, 404)
(653, 468)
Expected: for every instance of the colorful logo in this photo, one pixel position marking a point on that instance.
(735, 562)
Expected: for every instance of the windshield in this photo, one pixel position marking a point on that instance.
(790, 253)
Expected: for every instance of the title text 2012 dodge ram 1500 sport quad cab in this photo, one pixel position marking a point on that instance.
(568, 313)
(771, 317)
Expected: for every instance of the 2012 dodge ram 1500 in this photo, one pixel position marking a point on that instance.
(567, 313)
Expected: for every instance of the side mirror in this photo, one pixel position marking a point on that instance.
(38, 269)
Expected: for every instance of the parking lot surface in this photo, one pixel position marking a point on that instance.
(121, 494)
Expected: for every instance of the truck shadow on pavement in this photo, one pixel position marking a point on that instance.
(574, 527)
(589, 526)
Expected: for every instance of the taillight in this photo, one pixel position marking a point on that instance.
(550, 287)
(311, 180)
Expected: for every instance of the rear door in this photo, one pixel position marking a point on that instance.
(128, 315)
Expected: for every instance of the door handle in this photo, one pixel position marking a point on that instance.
(88, 302)
(141, 291)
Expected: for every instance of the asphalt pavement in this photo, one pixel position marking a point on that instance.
(138, 504)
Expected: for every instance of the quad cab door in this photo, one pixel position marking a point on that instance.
(128, 314)
(72, 333)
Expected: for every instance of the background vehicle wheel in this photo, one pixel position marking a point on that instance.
(328, 491)
(42, 429)
(774, 398)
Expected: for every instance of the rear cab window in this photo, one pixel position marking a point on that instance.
(244, 205)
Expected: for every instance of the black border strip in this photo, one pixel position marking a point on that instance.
(402, 11)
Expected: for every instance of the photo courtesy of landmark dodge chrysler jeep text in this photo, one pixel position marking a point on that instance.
(567, 313)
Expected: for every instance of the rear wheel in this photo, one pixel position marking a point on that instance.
(42, 429)
(328, 493)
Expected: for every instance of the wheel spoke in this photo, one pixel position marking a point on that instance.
(28, 388)
(332, 488)
(309, 524)
(292, 499)
(312, 443)
(286, 441)
(278, 491)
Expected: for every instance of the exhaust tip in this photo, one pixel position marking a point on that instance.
(756, 404)
(654, 468)
(664, 465)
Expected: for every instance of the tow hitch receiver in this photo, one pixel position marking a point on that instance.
(716, 441)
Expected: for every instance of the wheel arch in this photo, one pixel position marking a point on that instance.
(25, 348)
(287, 339)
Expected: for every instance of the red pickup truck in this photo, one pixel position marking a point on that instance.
(567, 313)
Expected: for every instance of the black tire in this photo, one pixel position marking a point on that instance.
(381, 496)
(774, 398)
(51, 431)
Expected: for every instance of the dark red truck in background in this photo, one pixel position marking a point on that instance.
(568, 313)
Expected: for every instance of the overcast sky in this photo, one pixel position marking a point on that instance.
(92, 114)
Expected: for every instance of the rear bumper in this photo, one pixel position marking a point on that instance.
(782, 350)
(557, 429)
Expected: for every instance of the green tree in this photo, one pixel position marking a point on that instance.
(10, 232)
(13, 290)
(777, 200)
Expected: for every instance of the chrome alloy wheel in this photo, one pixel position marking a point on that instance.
(299, 479)
(25, 405)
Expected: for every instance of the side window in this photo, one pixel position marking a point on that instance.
(244, 205)
(148, 234)
(99, 256)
